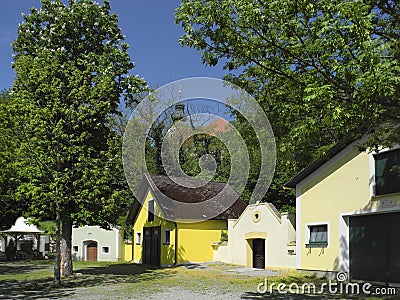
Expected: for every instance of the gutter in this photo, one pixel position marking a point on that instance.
(289, 188)
(176, 244)
(133, 244)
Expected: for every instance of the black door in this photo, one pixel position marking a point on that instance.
(151, 245)
(259, 253)
(374, 247)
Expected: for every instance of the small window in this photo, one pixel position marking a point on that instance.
(387, 172)
(150, 215)
(318, 236)
(75, 249)
(138, 238)
(167, 236)
(105, 250)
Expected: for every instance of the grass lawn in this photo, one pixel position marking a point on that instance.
(105, 280)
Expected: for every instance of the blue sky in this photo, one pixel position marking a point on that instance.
(150, 31)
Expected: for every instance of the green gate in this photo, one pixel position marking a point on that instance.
(375, 247)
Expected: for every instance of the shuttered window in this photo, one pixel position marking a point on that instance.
(387, 172)
(150, 215)
(167, 236)
(138, 238)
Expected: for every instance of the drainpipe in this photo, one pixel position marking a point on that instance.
(133, 244)
(176, 244)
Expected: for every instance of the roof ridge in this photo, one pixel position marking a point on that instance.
(194, 179)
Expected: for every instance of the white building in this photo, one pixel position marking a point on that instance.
(93, 243)
(261, 237)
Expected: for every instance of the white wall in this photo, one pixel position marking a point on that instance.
(2, 244)
(279, 235)
(113, 239)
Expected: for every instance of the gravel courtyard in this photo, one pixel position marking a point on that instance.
(33, 280)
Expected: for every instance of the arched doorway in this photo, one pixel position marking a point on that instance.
(91, 251)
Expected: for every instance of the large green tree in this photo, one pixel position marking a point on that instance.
(320, 69)
(72, 71)
(10, 208)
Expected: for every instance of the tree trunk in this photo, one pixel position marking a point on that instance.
(57, 280)
(66, 258)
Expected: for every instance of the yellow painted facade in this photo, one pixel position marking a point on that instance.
(166, 251)
(127, 252)
(339, 189)
(194, 239)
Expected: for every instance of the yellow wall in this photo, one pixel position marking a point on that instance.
(194, 239)
(167, 251)
(338, 189)
(127, 252)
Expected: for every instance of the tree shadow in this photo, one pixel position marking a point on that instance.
(84, 277)
(32, 289)
(7, 268)
(194, 266)
(117, 269)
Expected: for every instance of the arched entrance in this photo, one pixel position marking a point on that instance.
(91, 251)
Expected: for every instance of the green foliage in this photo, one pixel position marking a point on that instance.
(10, 208)
(48, 227)
(72, 71)
(288, 209)
(199, 145)
(224, 235)
(321, 70)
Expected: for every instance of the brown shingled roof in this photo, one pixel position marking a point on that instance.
(165, 188)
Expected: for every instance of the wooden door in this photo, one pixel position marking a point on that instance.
(91, 251)
(259, 253)
(151, 245)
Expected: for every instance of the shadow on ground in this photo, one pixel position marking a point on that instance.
(21, 267)
(83, 277)
(117, 269)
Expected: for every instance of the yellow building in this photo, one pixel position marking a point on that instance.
(348, 214)
(164, 236)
